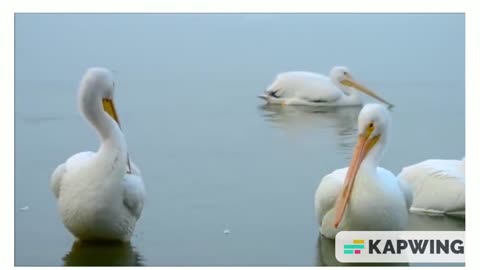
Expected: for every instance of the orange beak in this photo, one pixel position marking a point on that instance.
(364, 145)
(350, 82)
(109, 108)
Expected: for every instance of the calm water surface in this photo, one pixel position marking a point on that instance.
(213, 156)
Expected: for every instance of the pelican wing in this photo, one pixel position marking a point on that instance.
(62, 169)
(438, 186)
(308, 86)
(56, 179)
(133, 192)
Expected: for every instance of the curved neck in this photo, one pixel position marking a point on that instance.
(107, 129)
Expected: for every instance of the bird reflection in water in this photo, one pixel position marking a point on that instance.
(301, 120)
(85, 253)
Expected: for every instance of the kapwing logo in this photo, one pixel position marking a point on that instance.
(354, 248)
(400, 246)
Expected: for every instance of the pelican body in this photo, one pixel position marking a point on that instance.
(100, 194)
(312, 89)
(364, 196)
(438, 186)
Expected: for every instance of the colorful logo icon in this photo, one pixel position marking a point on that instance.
(356, 248)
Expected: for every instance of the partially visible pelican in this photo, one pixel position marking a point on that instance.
(364, 196)
(438, 186)
(312, 89)
(100, 194)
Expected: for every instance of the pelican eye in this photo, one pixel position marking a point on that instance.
(344, 73)
(371, 126)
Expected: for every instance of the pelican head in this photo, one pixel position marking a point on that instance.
(373, 124)
(342, 76)
(98, 87)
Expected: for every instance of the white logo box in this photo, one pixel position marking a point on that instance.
(400, 246)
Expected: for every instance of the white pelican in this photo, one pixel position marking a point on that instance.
(364, 197)
(100, 195)
(438, 186)
(312, 89)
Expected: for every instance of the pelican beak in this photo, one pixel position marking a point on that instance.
(109, 108)
(350, 82)
(364, 144)
(264, 97)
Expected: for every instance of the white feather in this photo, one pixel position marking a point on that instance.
(438, 186)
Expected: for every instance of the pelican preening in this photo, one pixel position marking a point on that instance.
(364, 196)
(100, 194)
(438, 187)
(312, 89)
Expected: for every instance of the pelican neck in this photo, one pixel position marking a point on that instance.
(92, 108)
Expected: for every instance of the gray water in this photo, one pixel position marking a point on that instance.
(213, 157)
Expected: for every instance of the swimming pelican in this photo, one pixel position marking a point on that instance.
(438, 186)
(364, 196)
(100, 195)
(312, 89)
